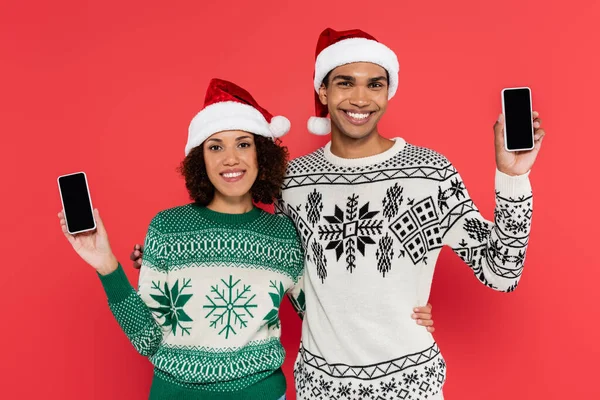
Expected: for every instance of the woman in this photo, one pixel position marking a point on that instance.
(215, 271)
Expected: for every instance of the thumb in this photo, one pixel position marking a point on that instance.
(499, 131)
(99, 224)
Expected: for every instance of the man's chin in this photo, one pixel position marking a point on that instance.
(356, 133)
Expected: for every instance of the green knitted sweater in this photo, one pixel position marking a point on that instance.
(206, 309)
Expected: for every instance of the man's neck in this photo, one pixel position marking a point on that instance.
(346, 147)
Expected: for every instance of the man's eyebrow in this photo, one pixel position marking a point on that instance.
(378, 78)
(343, 78)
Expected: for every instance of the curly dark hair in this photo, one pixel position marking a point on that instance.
(272, 160)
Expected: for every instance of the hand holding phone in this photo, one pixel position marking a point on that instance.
(515, 157)
(76, 202)
(82, 226)
(518, 119)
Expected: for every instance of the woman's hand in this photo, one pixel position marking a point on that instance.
(93, 247)
(423, 317)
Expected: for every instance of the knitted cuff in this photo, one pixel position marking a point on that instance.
(513, 186)
(116, 285)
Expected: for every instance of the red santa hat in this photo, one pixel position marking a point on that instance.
(228, 107)
(339, 48)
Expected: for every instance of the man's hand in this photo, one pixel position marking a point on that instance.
(423, 317)
(517, 162)
(136, 256)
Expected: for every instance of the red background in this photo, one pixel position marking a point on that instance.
(109, 87)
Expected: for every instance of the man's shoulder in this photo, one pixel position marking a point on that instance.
(422, 155)
(306, 163)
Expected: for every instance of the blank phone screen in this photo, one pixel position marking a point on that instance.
(76, 200)
(518, 119)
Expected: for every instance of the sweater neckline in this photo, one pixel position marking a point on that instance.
(398, 146)
(225, 218)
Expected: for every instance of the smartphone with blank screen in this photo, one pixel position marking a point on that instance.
(77, 203)
(518, 119)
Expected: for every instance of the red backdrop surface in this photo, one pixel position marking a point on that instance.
(109, 87)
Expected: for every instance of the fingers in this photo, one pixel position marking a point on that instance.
(539, 134)
(425, 309)
(136, 256)
(537, 121)
(99, 224)
(538, 142)
(421, 315)
(425, 322)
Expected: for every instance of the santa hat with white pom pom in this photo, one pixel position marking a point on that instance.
(336, 48)
(228, 107)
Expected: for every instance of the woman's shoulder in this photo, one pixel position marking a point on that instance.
(173, 218)
(279, 225)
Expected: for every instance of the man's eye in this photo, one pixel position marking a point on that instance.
(346, 84)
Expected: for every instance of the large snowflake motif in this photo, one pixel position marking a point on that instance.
(171, 302)
(229, 306)
(350, 230)
(272, 318)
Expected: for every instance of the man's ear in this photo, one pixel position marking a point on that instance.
(323, 94)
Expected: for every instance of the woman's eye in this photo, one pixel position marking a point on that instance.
(244, 145)
(214, 147)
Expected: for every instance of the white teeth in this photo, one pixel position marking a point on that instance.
(232, 174)
(357, 115)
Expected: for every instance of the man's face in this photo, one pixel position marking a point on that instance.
(357, 97)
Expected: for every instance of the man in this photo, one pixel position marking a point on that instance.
(373, 215)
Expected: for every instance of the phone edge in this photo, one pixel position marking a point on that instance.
(89, 197)
(530, 113)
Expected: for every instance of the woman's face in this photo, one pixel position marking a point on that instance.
(231, 163)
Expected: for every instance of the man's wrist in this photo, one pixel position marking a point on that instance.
(507, 172)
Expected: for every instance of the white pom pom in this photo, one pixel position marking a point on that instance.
(319, 126)
(279, 126)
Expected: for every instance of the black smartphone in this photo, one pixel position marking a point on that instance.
(77, 203)
(518, 119)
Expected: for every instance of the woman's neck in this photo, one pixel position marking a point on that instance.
(231, 205)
